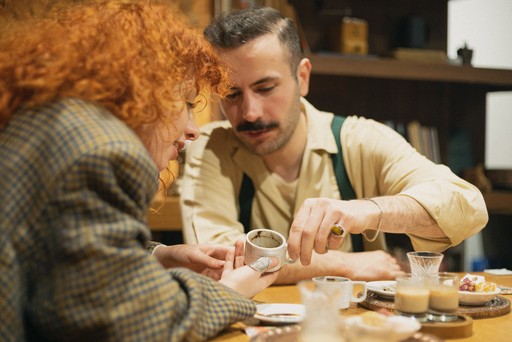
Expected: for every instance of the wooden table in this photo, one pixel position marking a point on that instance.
(485, 329)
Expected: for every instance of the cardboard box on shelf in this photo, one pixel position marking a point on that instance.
(350, 36)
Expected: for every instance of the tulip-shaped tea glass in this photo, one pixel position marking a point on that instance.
(424, 263)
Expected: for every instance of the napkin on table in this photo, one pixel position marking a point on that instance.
(498, 271)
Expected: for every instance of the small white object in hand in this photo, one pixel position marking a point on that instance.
(261, 265)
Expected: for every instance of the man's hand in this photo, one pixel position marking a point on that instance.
(375, 265)
(311, 228)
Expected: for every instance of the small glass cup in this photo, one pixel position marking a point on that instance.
(411, 297)
(424, 263)
(322, 321)
(443, 302)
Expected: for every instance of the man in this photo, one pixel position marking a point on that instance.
(280, 144)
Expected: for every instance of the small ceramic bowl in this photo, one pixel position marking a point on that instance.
(476, 298)
(393, 329)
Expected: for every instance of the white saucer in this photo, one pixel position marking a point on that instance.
(280, 313)
(477, 298)
(383, 288)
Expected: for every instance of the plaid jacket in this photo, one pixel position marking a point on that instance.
(75, 185)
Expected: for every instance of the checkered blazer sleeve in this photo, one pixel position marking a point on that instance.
(102, 284)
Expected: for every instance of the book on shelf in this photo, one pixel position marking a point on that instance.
(434, 141)
(420, 55)
(425, 140)
(413, 135)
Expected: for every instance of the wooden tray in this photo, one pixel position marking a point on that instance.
(461, 328)
(291, 333)
(499, 306)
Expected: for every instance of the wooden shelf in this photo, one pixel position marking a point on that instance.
(387, 68)
(167, 217)
(499, 202)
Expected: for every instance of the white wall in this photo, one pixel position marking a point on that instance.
(486, 26)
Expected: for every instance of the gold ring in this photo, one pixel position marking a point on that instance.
(338, 231)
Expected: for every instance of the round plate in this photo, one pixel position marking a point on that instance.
(391, 328)
(280, 313)
(384, 288)
(291, 333)
(476, 298)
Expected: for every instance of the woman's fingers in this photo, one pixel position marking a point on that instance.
(229, 264)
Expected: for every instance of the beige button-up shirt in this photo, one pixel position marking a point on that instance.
(378, 162)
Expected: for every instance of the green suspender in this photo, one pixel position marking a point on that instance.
(347, 193)
(245, 199)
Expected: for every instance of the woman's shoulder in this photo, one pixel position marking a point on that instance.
(88, 122)
(69, 129)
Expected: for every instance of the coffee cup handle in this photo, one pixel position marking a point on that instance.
(363, 297)
(287, 259)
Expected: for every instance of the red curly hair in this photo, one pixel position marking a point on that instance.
(128, 56)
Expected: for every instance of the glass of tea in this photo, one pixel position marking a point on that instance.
(412, 297)
(443, 302)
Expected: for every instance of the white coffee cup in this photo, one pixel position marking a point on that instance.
(340, 290)
(266, 243)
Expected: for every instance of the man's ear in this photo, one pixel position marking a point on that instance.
(303, 73)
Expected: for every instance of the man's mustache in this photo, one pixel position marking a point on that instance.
(256, 126)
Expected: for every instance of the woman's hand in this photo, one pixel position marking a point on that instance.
(205, 259)
(219, 263)
(242, 278)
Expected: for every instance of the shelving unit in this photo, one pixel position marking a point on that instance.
(450, 97)
(376, 86)
(387, 68)
(446, 96)
(499, 202)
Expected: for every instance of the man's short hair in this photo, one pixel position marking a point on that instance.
(231, 30)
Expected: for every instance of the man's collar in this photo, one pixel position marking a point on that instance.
(320, 136)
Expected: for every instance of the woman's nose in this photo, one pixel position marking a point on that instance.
(191, 130)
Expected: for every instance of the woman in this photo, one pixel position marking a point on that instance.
(93, 103)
